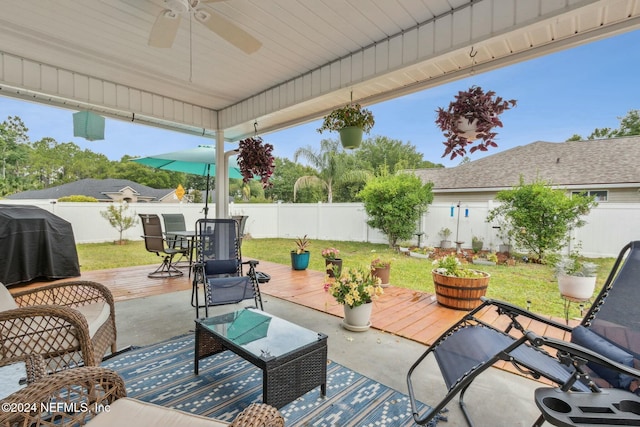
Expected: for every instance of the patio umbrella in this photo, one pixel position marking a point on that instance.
(197, 161)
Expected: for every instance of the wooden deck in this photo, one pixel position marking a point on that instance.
(403, 312)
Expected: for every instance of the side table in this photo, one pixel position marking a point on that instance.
(567, 304)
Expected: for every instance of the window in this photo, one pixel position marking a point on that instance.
(599, 195)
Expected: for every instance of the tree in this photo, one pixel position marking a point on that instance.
(538, 217)
(330, 167)
(392, 154)
(118, 217)
(395, 203)
(629, 126)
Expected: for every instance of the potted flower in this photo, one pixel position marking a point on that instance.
(576, 277)
(255, 159)
(332, 261)
(300, 255)
(457, 286)
(355, 289)
(381, 269)
(471, 116)
(444, 233)
(351, 121)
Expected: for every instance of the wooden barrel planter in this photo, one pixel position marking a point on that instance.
(460, 293)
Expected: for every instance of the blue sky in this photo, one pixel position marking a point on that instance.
(568, 92)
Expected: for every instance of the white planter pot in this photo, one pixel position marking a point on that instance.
(445, 244)
(357, 319)
(419, 255)
(468, 130)
(576, 286)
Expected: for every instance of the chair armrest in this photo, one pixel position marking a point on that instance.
(510, 309)
(573, 351)
(93, 389)
(47, 330)
(74, 293)
(258, 415)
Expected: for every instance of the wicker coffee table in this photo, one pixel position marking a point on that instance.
(293, 359)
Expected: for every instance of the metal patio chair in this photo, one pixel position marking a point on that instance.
(155, 242)
(219, 267)
(610, 332)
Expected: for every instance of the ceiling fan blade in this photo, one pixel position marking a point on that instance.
(164, 30)
(228, 31)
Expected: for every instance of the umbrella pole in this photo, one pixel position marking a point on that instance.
(206, 199)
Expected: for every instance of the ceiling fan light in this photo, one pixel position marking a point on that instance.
(178, 6)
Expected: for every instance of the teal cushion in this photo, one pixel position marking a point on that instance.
(594, 342)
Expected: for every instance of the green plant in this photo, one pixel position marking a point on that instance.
(472, 105)
(394, 203)
(354, 287)
(380, 263)
(255, 159)
(349, 115)
(302, 243)
(477, 239)
(542, 217)
(572, 265)
(118, 218)
(330, 254)
(444, 233)
(492, 257)
(77, 198)
(450, 265)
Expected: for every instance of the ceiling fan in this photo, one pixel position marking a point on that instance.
(164, 30)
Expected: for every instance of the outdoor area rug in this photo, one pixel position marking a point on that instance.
(163, 374)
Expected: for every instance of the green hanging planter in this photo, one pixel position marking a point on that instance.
(351, 137)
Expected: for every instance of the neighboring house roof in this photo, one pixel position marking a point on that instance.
(585, 164)
(101, 189)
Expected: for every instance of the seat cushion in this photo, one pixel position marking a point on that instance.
(594, 342)
(126, 410)
(96, 314)
(6, 299)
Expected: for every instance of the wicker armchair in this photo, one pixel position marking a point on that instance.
(68, 324)
(96, 396)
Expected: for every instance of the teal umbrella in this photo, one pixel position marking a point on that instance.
(197, 161)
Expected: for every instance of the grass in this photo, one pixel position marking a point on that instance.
(518, 284)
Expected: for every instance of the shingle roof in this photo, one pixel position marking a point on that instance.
(97, 188)
(579, 163)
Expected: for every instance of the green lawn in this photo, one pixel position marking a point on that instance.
(518, 284)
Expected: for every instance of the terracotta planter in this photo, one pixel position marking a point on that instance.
(357, 319)
(330, 264)
(460, 293)
(577, 287)
(383, 273)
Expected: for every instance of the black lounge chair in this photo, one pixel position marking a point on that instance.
(219, 267)
(609, 335)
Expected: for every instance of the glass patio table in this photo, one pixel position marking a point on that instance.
(293, 359)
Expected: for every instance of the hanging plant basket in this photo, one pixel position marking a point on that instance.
(255, 159)
(472, 116)
(351, 121)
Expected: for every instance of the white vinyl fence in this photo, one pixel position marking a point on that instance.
(609, 226)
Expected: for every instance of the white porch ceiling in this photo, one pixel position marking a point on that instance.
(315, 54)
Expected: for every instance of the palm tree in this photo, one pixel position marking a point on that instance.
(330, 166)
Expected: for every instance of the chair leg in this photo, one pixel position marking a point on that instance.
(166, 269)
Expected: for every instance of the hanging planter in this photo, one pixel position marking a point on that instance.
(472, 116)
(255, 159)
(351, 121)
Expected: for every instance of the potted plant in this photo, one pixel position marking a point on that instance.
(471, 116)
(576, 277)
(477, 243)
(444, 233)
(355, 289)
(351, 121)
(456, 286)
(255, 159)
(300, 256)
(381, 269)
(332, 261)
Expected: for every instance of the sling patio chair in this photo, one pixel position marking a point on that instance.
(219, 267)
(610, 331)
(155, 242)
(66, 324)
(176, 223)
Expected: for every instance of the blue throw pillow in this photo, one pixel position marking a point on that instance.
(594, 342)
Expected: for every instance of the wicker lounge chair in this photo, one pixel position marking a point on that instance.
(68, 324)
(609, 334)
(96, 396)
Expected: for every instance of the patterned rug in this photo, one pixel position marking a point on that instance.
(163, 374)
